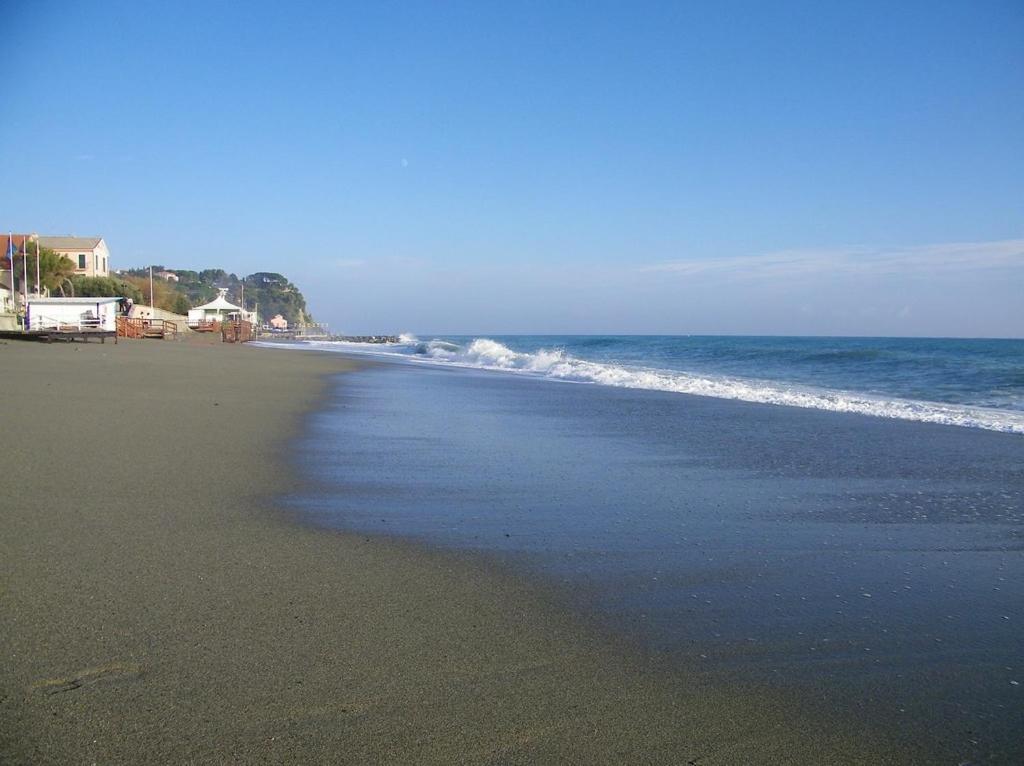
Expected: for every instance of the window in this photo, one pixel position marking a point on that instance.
(81, 260)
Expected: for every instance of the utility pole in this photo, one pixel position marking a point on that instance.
(38, 286)
(152, 303)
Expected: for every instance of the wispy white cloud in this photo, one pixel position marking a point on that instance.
(956, 257)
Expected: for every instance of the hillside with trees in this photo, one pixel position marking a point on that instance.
(274, 294)
(268, 292)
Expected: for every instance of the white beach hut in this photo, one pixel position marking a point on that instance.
(217, 310)
(81, 313)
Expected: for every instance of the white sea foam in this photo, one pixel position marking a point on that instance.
(555, 364)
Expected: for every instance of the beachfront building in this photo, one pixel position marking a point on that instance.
(11, 294)
(279, 322)
(7, 304)
(7, 301)
(81, 313)
(89, 254)
(220, 309)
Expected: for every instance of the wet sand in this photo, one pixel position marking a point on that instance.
(158, 607)
(871, 565)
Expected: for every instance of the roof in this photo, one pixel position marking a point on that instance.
(18, 240)
(86, 300)
(70, 243)
(220, 302)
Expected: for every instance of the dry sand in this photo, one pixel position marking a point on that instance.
(157, 608)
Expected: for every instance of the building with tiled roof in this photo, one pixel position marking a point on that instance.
(89, 254)
(6, 292)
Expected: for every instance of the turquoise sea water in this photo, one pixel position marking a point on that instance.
(976, 383)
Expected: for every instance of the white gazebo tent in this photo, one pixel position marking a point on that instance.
(218, 310)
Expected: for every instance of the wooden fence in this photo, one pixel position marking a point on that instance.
(146, 328)
(236, 332)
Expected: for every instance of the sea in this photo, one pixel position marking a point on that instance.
(966, 382)
(839, 518)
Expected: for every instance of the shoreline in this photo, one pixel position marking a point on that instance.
(161, 606)
(747, 388)
(456, 459)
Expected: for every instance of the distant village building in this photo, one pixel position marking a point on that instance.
(170, 276)
(279, 322)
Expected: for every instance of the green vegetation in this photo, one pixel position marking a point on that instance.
(106, 287)
(276, 295)
(55, 271)
(165, 296)
(268, 292)
(201, 286)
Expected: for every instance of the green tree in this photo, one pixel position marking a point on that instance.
(106, 287)
(167, 295)
(274, 294)
(180, 304)
(55, 271)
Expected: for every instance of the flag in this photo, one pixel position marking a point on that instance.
(10, 257)
(9, 264)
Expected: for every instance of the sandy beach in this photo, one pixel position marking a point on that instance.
(159, 607)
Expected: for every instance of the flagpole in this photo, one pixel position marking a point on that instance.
(24, 266)
(37, 267)
(10, 254)
(152, 303)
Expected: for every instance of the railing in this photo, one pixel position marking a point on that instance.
(40, 322)
(312, 330)
(236, 332)
(129, 327)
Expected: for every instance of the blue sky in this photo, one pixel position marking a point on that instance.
(787, 168)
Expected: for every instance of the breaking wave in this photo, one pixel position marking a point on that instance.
(556, 364)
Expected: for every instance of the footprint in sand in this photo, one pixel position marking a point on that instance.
(115, 671)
